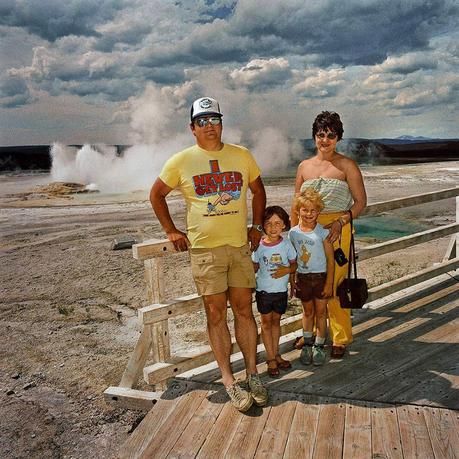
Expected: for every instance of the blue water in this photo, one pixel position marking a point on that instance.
(385, 227)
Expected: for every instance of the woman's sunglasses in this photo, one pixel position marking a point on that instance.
(328, 135)
(201, 122)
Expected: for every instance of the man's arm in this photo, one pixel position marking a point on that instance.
(158, 194)
(258, 209)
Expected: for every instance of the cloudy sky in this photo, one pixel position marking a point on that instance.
(126, 71)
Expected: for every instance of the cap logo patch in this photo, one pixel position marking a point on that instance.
(205, 103)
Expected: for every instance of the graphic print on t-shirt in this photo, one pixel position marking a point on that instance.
(275, 260)
(220, 188)
(304, 256)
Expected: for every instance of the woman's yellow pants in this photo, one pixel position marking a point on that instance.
(339, 319)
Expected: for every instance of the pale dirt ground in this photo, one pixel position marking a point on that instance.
(68, 310)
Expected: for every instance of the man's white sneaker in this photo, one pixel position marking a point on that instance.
(240, 398)
(257, 390)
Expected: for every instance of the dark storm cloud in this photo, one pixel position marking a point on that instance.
(112, 90)
(14, 91)
(351, 32)
(344, 33)
(128, 36)
(51, 19)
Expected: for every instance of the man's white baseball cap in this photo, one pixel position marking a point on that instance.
(205, 106)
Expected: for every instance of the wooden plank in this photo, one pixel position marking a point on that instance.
(385, 441)
(447, 333)
(303, 431)
(137, 359)
(413, 432)
(174, 308)
(357, 431)
(402, 328)
(330, 429)
(379, 207)
(411, 279)
(154, 278)
(369, 324)
(445, 309)
(160, 343)
(419, 383)
(451, 249)
(173, 426)
(132, 399)
(152, 248)
(436, 296)
(195, 433)
(147, 429)
(172, 367)
(276, 431)
(443, 432)
(381, 248)
(221, 434)
(248, 433)
(386, 377)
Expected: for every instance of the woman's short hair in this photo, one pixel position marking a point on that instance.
(328, 121)
(309, 195)
(280, 212)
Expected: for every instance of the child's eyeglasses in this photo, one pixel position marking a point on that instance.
(201, 122)
(275, 224)
(328, 135)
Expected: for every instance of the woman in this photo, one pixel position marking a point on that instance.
(339, 180)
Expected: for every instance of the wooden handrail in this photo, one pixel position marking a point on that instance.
(384, 206)
(154, 318)
(154, 248)
(375, 250)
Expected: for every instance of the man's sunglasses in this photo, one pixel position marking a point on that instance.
(214, 120)
(328, 135)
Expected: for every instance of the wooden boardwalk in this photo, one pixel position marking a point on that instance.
(396, 395)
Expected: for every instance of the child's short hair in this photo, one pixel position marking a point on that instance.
(309, 195)
(280, 212)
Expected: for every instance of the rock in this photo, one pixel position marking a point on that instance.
(10, 392)
(15, 376)
(123, 242)
(29, 386)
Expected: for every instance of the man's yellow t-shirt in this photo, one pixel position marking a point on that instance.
(214, 185)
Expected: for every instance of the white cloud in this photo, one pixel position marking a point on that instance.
(261, 73)
(321, 83)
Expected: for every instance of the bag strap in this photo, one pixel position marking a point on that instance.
(352, 251)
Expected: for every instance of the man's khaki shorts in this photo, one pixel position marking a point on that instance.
(214, 270)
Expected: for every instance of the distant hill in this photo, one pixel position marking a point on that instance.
(364, 151)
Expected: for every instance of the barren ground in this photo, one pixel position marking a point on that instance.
(68, 310)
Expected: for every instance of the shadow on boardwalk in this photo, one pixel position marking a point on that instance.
(392, 396)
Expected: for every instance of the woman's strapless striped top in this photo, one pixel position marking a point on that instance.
(335, 193)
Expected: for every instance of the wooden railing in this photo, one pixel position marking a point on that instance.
(154, 338)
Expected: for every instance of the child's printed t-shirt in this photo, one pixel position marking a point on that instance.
(310, 249)
(269, 257)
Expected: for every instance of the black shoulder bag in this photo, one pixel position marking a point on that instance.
(352, 292)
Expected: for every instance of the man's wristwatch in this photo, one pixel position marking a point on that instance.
(258, 228)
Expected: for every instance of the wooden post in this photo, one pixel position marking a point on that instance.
(457, 234)
(154, 276)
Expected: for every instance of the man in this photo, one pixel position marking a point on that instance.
(213, 178)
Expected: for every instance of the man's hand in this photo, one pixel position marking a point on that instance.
(179, 239)
(254, 237)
